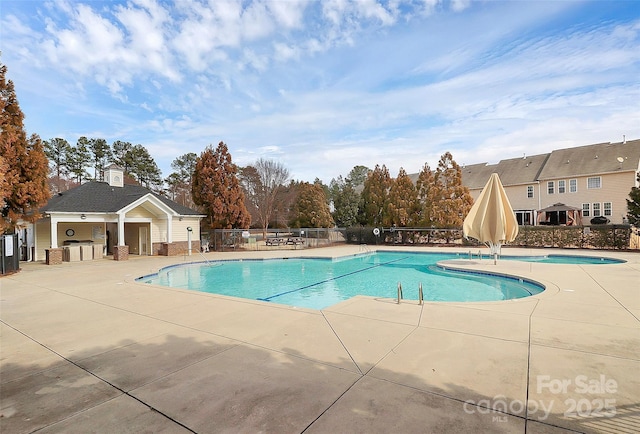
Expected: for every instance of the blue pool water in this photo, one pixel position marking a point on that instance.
(566, 259)
(319, 283)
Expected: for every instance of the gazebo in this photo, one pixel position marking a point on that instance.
(560, 214)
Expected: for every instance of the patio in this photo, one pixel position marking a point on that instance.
(86, 348)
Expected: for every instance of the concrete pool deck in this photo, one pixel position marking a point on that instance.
(85, 348)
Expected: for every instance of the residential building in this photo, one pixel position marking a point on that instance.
(593, 179)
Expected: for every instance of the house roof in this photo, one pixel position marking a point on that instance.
(513, 171)
(592, 160)
(102, 198)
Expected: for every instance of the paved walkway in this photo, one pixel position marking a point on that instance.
(87, 349)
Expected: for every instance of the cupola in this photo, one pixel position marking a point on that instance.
(114, 176)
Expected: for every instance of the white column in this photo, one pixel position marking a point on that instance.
(121, 229)
(54, 233)
(169, 229)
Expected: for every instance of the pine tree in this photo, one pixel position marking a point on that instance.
(375, 197)
(78, 159)
(56, 151)
(101, 155)
(451, 199)
(217, 189)
(180, 181)
(26, 166)
(144, 168)
(310, 208)
(122, 155)
(403, 201)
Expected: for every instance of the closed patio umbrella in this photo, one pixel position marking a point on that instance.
(491, 219)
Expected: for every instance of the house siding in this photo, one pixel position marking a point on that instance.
(614, 188)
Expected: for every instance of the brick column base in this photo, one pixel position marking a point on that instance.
(53, 256)
(120, 253)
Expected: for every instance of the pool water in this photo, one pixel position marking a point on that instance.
(566, 259)
(319, 283)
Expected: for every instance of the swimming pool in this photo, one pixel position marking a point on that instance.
(318, 283)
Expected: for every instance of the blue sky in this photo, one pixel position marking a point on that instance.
(322, 86)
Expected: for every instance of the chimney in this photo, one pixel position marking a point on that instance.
(624, 139)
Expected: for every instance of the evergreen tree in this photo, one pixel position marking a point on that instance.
(24, 184)
(56, 151)
(122, 155)
(375, 197)
(78, 159)
(345, 202)
(358, 175)
(310, 209)
(217, 189)
(180, 181)
(144, 169)
(403, 201)
(425, 191)
(633, 205)
(101, 155)
(451, 199)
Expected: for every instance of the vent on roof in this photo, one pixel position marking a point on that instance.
(624, 139)
(596, 157)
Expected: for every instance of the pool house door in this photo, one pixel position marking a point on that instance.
(143, 240)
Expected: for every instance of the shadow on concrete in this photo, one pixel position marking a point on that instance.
(200, 382)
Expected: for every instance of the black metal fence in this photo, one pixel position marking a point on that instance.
(404, 236)
(256, 239)
(607, 237)
(9, 254)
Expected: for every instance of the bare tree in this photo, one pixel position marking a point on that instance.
(261, 183)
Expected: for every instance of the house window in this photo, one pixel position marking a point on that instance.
(607, 209)
(573, 185)
(596, 209)
(550, 187)
(530, 191)
(586, 210)
(562, 186)
(593, 182)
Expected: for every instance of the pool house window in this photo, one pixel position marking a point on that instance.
(596, 209)
(607, 209)
(594, 182)
(586, 210)
(530, 191)
(550, 187)
(573, 185)
(562, 186)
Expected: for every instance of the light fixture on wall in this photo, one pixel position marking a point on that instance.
(180, 218)
(83, 217)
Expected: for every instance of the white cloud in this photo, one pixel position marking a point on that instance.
(324, 86)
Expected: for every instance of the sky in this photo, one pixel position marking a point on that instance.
(323, 86)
